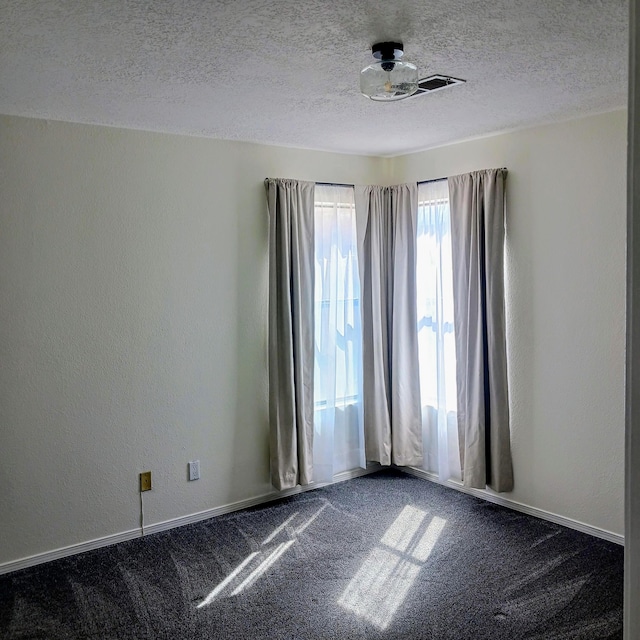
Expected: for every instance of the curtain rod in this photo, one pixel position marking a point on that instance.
(333, 184)
(340, 184)
(432, 180)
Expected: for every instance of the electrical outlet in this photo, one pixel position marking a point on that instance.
(194, 470)
(145, 481)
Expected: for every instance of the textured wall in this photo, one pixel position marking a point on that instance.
(133, 307)
(132, 324)
(565, 305)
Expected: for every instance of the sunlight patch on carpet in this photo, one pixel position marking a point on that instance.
(383, 581)
(257, 563)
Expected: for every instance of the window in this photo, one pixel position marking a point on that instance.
(338, 424)
(437, 355)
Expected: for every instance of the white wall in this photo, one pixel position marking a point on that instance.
(133, 318)
(133, 324)
(565, 304)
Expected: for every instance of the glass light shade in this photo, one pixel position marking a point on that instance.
(387, 80)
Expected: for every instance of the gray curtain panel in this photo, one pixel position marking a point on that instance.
(386, 223)
(291, 296)
(477, 203)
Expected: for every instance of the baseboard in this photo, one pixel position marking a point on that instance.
(518, 506)
(254, 502)
(105, 541)
(71, 550)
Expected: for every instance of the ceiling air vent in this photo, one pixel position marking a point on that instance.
(435, 83)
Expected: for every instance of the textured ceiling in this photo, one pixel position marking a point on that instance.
(287, 72)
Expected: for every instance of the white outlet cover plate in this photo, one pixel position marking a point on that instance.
(194, 470)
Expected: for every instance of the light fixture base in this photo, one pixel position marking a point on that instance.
(387, 51)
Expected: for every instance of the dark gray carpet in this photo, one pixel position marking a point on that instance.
(383, 556)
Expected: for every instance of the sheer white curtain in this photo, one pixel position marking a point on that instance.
(436, 343)
(338, 442)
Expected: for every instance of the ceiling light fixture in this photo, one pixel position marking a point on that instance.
(388, 78)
